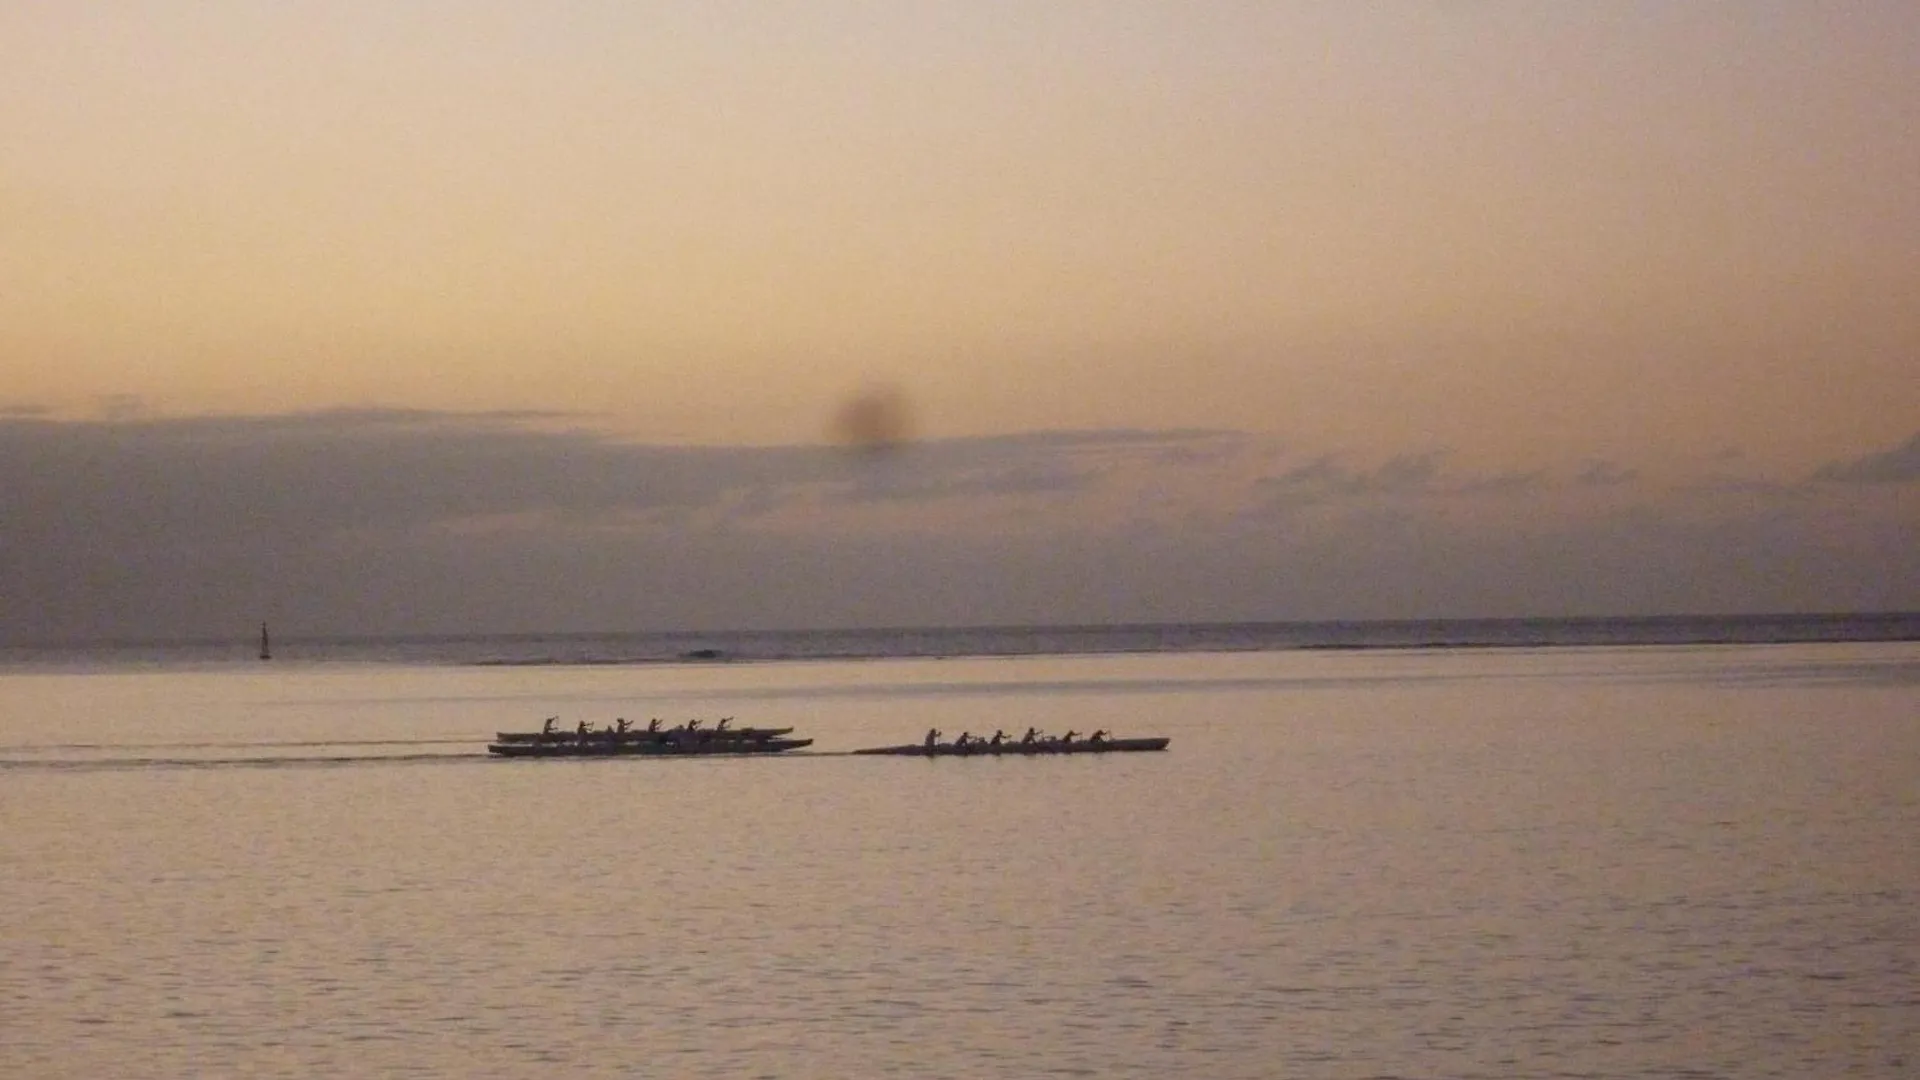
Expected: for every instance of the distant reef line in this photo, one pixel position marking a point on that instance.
(541, 648)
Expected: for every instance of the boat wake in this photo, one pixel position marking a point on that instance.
(255, 754)
(123, 764)
(252, 744)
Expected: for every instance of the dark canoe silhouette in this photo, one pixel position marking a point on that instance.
(657, 747)
(1020, 749)
(635, 734)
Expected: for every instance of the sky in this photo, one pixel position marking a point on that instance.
(447, 317)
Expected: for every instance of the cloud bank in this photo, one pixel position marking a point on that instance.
(389, 521)
(1900, 465)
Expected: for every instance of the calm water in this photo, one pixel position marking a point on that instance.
(1654, 861)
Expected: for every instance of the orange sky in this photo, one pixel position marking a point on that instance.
(1519, 232)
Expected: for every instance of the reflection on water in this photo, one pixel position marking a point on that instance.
(1606, 862)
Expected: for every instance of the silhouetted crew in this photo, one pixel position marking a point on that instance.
(933, 737)
(722, 725)
(581, 729)
(547, 728)
(1068, 737)
(620, 726)
(998, 737)
(1029, 737)
(653, 725)
(1098, 737)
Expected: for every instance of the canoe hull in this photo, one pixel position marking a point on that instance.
(647, 748)
(1017, 749)
(636, 734)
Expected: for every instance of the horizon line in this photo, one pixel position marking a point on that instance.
(251, 638)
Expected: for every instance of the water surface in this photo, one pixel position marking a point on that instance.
(1666, 861)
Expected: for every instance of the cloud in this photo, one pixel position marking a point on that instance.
(385, 521)
(120, 407)
(420, 519)
(1507, 483)
(1900, 465)
(1604, 474)
(903, 485)
(1328, 478)
(161, 526)
(1053, 463)
(289, 477)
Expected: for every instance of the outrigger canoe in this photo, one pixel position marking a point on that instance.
(568, 736)
(653, 747)
(1020, 749)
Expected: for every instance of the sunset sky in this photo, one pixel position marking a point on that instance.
(448, 316)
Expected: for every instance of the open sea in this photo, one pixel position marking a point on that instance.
(1531, 848)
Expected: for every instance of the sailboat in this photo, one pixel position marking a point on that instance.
(266, 649)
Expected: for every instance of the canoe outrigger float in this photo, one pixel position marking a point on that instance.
(984, 748)
(685, 740)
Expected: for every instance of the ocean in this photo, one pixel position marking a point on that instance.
(1588, 847)
(679, 646)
